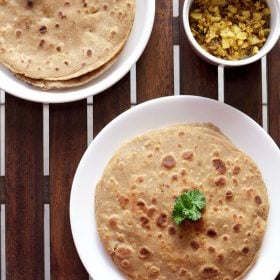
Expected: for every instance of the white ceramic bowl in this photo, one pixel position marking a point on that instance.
(272, 39)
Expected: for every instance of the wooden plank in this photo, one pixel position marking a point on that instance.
(274, 93)
(110, 103)
(24, 190)
(243, 89)
(197, 77)
(155, 68)
(68, 141)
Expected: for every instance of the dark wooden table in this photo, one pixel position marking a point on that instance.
(41, 145)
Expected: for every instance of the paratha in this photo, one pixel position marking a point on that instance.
(61, 40)
(74, 82)
(135, 197)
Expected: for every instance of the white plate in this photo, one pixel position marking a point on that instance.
(137, 41)
(244, 133)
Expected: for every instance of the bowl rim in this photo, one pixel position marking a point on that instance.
(222, 62)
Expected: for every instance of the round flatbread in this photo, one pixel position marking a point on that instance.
(61, 40)
(136, 194)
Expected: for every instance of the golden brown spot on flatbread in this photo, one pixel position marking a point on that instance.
(187, 155)
(220, 257)
(248, 233)
(216, 153)
(124, 251)
(29, 3)
(211, 232)
(162, 220)
(89, 52)
(182, 271)
(245, 250)
(171, 230)
(141, 203)
(43, 29)
(209, 271)
(194, 244)
(125, 263)
(154, 200)
(220, 181)
(211, 249)
(113, 220)
(225, 237)
(18, 33)
(236, 170)
(219, 165)
(258, 199)
(159, 235)
(168, 162)
(144, 252)
(183, 172)
(229, 195)
(144, 221)
(236, 227)
(42, 43)
(151, 210)
(123, 200)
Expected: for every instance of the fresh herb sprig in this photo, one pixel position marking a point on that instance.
(188, 206)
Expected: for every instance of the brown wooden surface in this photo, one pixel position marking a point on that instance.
(24, 190)
(111, 103)
(243, 89)
(156, 64)
(196, 76)
(68, 141)
(274, 93)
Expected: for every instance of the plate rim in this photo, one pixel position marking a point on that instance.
(140, 107)
(48, 97)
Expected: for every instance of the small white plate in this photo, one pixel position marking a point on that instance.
(137, 41)
(243, 132)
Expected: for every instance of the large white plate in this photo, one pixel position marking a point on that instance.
(137, 41)
(244, 133)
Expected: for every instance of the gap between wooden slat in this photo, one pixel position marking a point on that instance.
(175, 8)
(176, 55)
(133, 86)
(264, 80)
(264, 117)
(46, 139)
(221, 83)
(264, 93)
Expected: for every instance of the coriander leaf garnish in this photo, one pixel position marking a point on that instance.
(188, 206)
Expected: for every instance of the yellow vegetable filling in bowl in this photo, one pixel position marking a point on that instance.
(231, 30)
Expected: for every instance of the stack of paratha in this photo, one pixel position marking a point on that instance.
(60, 44)
(135, 197)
